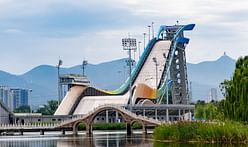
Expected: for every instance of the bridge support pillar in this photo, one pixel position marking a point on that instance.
(116, 117)
(144, 130)
(63, 132)
(179, 114)
(42, 132)
(167, 115)
(183, 114)
(190, 117)
(129, 129)
(88, 130)
(156, 114)
(107, 118)
(75, 130)
(21, 132)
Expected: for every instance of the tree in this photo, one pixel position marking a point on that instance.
(23, 109)
(49, 108)
(236, 92)
(209, 111)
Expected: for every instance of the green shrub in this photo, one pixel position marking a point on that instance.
(109, 126)
(224, 132)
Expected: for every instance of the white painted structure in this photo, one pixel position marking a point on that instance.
(147, 75)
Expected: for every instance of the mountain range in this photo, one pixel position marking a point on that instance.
(110, 75)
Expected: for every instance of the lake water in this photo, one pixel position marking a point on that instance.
(99, 139)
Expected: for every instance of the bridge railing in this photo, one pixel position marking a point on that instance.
(75, 118)
(118, 107)
(28, 125)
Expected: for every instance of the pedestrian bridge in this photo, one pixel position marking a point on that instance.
(88, 119)
(129, 117)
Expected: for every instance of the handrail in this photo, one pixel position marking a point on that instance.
(77, 118)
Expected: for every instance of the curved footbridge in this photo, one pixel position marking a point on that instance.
(129, 117)
(87, 119)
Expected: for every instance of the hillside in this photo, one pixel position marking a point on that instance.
(209, 74)
(109, 75)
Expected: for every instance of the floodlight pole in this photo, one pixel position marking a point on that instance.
(144, 41)
(129, 44)
(139, 48)
(152, 29)
(167, 103)
(156, 75)
(30, 105)
(130, 78)
(59, 89)
(133, 57)
(85, 62)
(149, 33)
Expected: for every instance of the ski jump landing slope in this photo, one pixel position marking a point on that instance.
(146, 75)
(81, 100)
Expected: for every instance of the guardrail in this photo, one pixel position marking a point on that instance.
(29, 126)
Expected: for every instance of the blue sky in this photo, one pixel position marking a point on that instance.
(39, 32)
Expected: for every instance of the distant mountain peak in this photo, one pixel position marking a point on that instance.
(225, 58)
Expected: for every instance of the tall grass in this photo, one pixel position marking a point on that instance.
(110, 126)
(218, 132)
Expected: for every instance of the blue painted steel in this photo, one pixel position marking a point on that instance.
(188, 27)
(177, 39)
(162, 88)
(183, 40)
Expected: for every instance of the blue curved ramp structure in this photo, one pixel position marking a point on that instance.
(147, 88)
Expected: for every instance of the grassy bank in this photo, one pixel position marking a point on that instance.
(110, 126)
(224, 132)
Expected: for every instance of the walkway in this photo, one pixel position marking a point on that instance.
(72, 124)
(129, 117)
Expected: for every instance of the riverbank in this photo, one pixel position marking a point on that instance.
(207, 132)
(100, 138)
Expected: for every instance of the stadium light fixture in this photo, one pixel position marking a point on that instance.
(130, 45)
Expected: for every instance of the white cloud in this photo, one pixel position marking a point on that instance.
(220, 26)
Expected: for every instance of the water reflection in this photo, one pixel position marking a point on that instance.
(98, 140)
(116, 139)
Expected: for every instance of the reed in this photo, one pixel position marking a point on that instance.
(110, 126)
(208, 132)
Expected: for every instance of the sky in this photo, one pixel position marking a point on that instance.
(42, 32)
